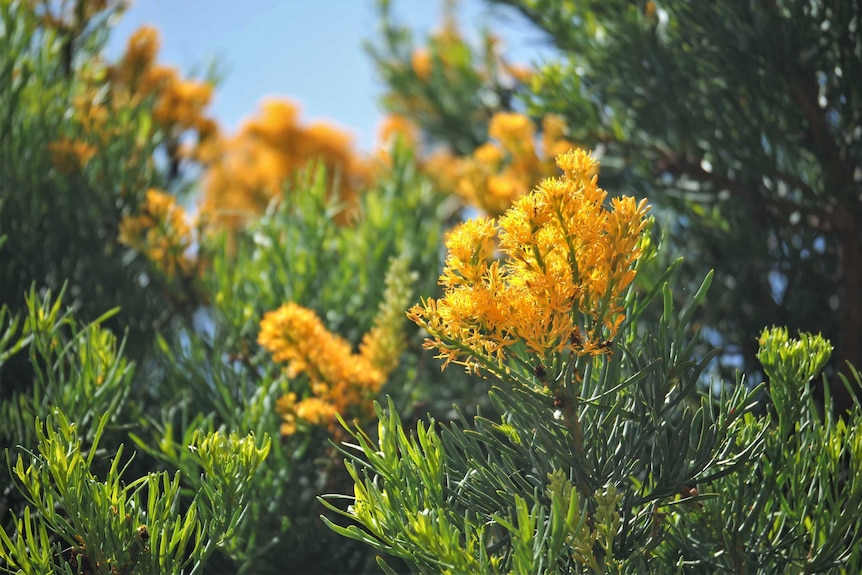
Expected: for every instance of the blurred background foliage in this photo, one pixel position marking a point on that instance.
(135, 230)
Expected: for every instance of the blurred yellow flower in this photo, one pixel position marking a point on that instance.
(316, 411)
(179, 104)
(70, 156)
(395, 125)
(161, 232)
(421, 63)
(340, 381)
(504, 168)
(521, 74)
(247, 171)
(140, 56)
(339, 378)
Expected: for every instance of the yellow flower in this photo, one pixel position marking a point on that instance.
(181, 103)
(421, 62)
(443, 168)
(286, 407)
(513, 131)
(70, 156)
(340, 380)
(316, 411)
(470, 247)
(489, 155)
(503, 169)
(395, 125)
(140, 56)
(161, 231)
(565, 264)
(554, 141)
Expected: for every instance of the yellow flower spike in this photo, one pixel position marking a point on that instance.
(578, 166)
(340, 381)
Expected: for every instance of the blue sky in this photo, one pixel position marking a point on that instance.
(307, 50)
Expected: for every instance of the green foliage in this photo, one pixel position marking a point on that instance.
(789, 509)
(111, 526)
(296, 252)
(668, 478)
(218, 378)
(222, 402)
(789, 363)
(77, 369)
(527, 493)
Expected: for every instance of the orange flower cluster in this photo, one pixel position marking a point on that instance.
(503, 169)
(341, 381)
(179, 104)
(249, 169)
(497, 172)
(161, 232)
(69, 156)
(567, 261)
(397, 126)
(105, 94)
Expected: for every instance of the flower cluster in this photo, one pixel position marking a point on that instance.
(161, 232)
(504, 168)
(179, 104)
(497, 172)
(396, 126)
(70, 156)
(248, 170)
(548, 277)
(340, 381)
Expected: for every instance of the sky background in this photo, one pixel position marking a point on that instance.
(308, 50)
